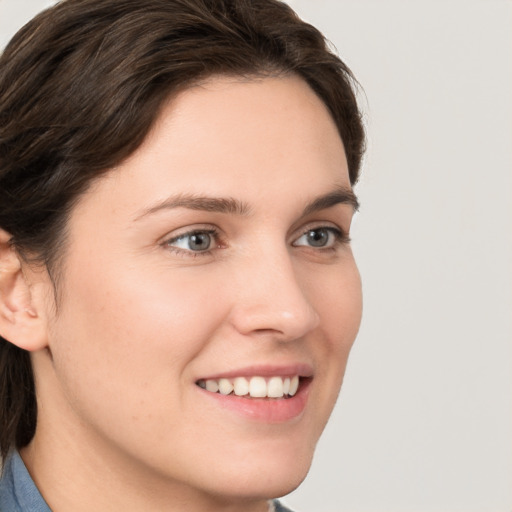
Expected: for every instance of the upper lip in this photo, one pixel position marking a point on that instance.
(265, 370)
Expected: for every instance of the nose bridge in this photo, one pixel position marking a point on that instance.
(271, 297)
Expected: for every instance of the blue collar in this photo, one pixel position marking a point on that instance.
(18, 492)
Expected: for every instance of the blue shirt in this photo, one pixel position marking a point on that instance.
(18, 492)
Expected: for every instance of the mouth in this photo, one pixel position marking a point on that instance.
(274, 387)
(268, 395)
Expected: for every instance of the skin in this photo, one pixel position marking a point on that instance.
(141, 317)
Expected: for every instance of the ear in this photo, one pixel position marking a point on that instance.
(20, 321)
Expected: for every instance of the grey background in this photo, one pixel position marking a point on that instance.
(424, 422)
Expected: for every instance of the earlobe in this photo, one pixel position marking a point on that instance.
(20, 321)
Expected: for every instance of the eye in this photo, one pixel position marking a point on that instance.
(319, 237)
(195, 241)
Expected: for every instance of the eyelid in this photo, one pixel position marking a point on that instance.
(168, 240)
(336, 238)
(188, 230)
(331, 226)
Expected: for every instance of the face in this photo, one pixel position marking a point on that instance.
(217, 255)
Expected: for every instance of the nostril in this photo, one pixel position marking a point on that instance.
(270, 332)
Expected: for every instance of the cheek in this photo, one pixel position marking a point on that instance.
(130, 335)
(339, 303)
(338, 300)
(138, 311)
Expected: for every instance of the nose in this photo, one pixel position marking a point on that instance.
(270, 299)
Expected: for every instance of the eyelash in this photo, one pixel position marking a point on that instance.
(340, 238)
(212, 232)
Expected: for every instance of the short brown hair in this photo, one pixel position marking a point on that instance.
(82, 84)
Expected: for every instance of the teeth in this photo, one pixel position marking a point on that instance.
(225, 387)
(255, 387)
(258, 387)
(275, 387)
(212, 385)
(286, 386)
(241, 386)
(294, 385)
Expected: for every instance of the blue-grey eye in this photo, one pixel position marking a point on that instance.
(318, 237)
(197, 241)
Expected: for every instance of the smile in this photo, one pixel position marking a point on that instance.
(253, 387)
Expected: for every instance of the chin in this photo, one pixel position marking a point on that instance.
(267, 479)
(263, 487)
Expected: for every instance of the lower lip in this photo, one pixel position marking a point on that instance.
(267, 410)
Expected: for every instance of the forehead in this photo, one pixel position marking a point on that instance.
(241, 138)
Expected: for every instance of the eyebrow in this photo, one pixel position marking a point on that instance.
(342, 195)
(202, 203)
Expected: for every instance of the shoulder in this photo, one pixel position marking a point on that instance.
(7, 491)
(18, 493)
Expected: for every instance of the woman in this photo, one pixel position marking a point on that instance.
(178, 296)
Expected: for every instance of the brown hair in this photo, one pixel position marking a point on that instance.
(80, 87)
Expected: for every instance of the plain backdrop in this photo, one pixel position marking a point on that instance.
(424, 421)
